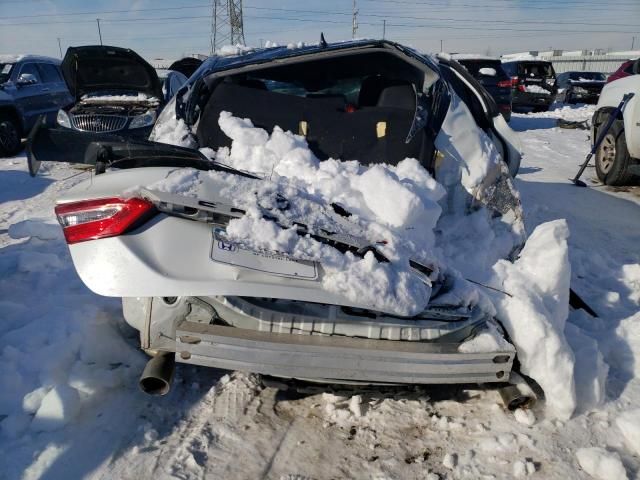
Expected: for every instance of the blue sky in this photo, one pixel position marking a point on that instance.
(170, 29)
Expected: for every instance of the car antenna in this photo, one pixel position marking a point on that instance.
(323, 42)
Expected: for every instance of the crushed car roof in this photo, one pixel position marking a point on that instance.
(270, 54)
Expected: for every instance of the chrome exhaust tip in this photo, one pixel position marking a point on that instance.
(518, 394)
(157, 374)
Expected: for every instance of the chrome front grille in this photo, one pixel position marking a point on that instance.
(98, 123)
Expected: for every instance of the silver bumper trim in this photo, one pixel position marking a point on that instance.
(336, 358)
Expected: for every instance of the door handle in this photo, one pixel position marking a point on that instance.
(45, 89)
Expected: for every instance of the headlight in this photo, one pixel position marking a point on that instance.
(580, 90)
(144, 120)
(63, 119)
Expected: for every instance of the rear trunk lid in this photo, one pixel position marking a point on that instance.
(537, 77)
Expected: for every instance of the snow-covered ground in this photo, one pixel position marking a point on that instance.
(70, 407)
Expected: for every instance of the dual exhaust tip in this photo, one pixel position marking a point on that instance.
(157, 374)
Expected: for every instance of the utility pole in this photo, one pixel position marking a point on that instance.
(384, 29)
(354, 23)
(60, 47)
(99, 32)
(441, 48)
(227, 26)
(633, 42)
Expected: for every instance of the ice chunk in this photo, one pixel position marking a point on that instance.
(450, 460)
(57, 409)
(525, 416)
(629, 425)
(535, 311)
(601, 464)
(32, 400)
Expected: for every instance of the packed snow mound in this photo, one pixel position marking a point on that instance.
(629, 424)
(601, 464)
(534, 311)
(399, 223)
(395, 208)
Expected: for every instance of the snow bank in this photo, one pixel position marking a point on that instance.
(590, 369)
(535, 311)
(601, 464)
(61, 352)
(629, 424)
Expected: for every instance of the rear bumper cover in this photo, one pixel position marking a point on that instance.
(337, 358)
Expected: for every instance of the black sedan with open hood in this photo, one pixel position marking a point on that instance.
(115, 90)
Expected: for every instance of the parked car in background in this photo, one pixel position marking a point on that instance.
(618, 158)
(534, 83)
(30, 86)
(171, 80)
(187, 65)
(489, 72)
(580, 87)
(630, 67)
(115, 90)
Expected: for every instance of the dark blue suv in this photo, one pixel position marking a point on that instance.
(489, 73)
(30, 86)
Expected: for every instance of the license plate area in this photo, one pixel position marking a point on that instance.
(274, 263)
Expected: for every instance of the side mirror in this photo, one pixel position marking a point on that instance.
(26, 79)
(173, 83)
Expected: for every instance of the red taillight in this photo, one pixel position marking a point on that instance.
(521, 88)
(504, 83)
(514, 81)
(105, 217)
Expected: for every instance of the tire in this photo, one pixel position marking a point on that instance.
(612, 157)
(10, 137)
(541, 109)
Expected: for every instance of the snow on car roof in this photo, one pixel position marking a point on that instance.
(472, 56)
(19, 57)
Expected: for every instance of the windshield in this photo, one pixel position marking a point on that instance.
(5, 71)
(535, 70)
(587, 76)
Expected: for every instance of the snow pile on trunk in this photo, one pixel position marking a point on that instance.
(601, 464)
(535, 312)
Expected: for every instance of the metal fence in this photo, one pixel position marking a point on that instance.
(586, 63)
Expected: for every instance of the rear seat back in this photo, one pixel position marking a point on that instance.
(374, 134)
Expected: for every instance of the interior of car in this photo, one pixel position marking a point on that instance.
(360, 106)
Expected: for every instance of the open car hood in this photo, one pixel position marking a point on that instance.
(97, 68)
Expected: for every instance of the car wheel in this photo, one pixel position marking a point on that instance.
(9, 137)
(612, 157)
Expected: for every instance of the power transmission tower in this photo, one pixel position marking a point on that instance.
(226, 24)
